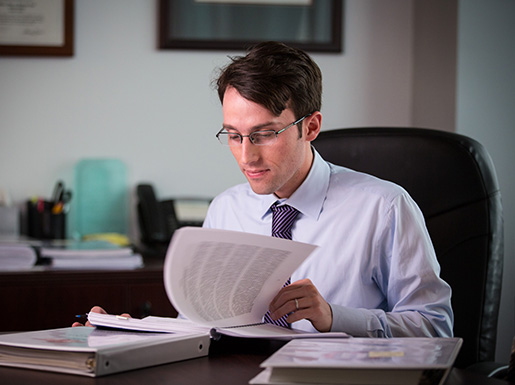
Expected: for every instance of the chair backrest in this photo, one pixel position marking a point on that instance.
(453, 180)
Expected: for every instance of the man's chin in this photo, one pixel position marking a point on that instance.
(260, 189)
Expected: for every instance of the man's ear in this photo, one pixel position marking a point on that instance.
(312, 125)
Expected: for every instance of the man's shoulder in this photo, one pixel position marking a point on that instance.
(352, 181)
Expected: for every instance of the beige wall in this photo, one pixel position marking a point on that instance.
(121, 97)
(434, 64)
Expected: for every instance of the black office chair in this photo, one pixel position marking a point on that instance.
(453, 180)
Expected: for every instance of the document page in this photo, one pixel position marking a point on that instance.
(228, 278)
(148, 324)
(186, 327)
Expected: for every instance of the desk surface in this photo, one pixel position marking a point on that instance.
(231, 362)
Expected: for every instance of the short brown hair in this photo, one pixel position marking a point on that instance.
(275, 76)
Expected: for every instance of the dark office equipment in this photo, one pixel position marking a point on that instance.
(159, 219)
(453, 180)
(43, 222)
(154, 226)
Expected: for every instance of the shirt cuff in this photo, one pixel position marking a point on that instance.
(355, 322)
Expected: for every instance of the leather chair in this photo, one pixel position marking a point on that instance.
(453, 180)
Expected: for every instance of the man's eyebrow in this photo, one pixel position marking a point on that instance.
(255, 128)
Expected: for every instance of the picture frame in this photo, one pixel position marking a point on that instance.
(311, 25)
(37, 28)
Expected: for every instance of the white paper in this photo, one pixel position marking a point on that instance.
(184, 326)
(222, 282)
(394, 361)
(16, 257)
(34, 23)
(270, 331)
(117, 263)
(367, 353)
(148, 324)
(226, 278)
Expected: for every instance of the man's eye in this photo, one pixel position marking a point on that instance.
(263, 135)
(233, 137)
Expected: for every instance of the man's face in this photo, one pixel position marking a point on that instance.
(279, 168)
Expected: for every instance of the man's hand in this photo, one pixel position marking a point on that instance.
(301, 300)
(95, 309)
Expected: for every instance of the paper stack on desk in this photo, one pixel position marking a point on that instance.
(381, 361)
(89, 255)
(15, 256)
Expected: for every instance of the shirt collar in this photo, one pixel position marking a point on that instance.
(310, 196)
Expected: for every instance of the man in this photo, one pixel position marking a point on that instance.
(375, 272)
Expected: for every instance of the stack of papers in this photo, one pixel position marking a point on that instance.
(15, 256)
(90, 255)
(382, 361)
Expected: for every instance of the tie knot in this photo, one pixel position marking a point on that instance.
(282, 220)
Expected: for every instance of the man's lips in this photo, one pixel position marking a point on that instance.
(253, 174)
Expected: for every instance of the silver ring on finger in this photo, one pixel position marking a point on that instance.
(296, 304)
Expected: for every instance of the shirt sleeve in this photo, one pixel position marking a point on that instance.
(379, 324)
(417, 300)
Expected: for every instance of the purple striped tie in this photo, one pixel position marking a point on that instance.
(282, 222)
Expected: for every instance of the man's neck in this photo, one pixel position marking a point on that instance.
(311, 157)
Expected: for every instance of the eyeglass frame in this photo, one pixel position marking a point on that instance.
(250, 136)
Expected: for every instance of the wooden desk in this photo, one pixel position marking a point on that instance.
(50, 299)
(229, 363)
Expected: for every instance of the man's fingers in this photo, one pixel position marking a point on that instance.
(301, 300)
(94, 309)
(98, 309)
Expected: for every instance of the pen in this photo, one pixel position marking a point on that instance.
(82, 316)
(57, 208)
(57, 195)
(40, 205)
(67, 196)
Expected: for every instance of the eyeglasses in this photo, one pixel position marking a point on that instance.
(259, 138)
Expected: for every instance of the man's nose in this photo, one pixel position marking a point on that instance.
(249, 151)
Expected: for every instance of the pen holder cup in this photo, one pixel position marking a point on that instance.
(44, 222)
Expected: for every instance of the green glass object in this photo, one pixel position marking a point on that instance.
(100, 200)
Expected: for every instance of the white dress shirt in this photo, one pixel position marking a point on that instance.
(375, 264)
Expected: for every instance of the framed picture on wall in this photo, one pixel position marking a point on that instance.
(312, 25)
(36, 28)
